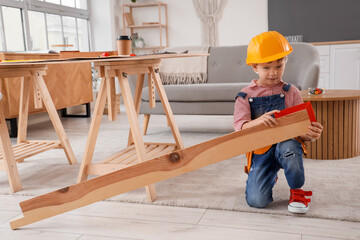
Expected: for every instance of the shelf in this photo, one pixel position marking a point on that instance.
(30, 148)
(160, 25)
(148, 26)
(128, 157)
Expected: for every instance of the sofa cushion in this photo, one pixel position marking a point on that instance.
(228, 64)
(208, 92)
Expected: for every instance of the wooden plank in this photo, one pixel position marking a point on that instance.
(115, 60)
(8, 155)
(130, 160)
(137, 100)
(24, 109)
(13, 149)
(350, 129)
(37, 95)
(43, 141)
(325, 122)
(166, 150)
(158, 169)
(333, 130)
(14, 74)
(17, 148)
(54, 117)
(309, 145)
(24, 150)
(158, 143)
(357, 132)
(354, 132)
(340, 118)
(332, 108)
(167, 109)
(99, 169)
(36, 150)
(319, 141)
(124, 156)
(93, 130)
(134, 126)
(151, 88)
(146, 123)
(358, 128)
(117, 154)
(111, 98)
(346, 128)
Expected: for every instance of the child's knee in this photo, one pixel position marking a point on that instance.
(257, 201)
(290, 149)
(259, 196)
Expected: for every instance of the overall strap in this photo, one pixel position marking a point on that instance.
(286, 87)
(241, 94)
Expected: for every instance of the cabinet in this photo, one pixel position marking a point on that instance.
(68, 84)
(324, 52)
(339, 66)
(160, 24)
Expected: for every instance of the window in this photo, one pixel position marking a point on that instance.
(41, 25)
(82, 26)
(69, 3)
(70, 34)
(13, 29)
(54, 29)
(38, 40)
(2, 42)
(53, 1)
(82, 4)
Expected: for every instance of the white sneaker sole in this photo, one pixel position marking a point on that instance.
(295, 209)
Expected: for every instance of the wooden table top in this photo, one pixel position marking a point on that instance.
(101, 59)
(331, 95)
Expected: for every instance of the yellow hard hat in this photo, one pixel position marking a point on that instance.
(267, 47)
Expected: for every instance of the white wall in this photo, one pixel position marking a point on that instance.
(241, 20)
(102, 25)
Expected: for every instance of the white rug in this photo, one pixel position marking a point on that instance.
(335, 183)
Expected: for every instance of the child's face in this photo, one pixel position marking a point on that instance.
(270, 73)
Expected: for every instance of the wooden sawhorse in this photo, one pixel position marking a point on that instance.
(31, 78)
(137, 151)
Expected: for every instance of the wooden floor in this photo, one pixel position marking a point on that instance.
(109, 220)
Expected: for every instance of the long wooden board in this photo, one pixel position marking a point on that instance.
(160, 168)
(101, 59)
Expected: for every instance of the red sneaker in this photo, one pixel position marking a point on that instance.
(298, 203)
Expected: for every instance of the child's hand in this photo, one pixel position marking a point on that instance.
(267, 119)
(314, 132)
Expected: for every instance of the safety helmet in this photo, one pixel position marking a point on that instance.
(267, 47)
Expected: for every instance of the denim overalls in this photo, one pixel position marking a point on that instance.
(287, 155)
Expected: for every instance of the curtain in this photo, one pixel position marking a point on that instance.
(209, 12)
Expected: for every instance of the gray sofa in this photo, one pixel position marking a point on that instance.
(227, 74)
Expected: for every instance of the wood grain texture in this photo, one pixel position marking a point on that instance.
(68, 84)
(338, 112)
(8, 162)
(161, 168)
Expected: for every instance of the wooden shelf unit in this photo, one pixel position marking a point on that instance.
(160, 26)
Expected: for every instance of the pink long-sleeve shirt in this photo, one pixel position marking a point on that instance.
(242, 113)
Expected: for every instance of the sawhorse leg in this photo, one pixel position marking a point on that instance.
(132, 115)
(54, 117)
(93, 132)
(8, 163)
